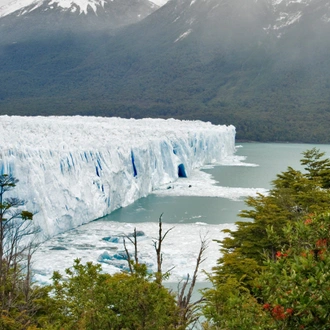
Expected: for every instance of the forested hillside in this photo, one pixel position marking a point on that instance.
(230, 63)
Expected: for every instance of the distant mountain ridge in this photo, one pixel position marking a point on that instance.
(261, 65)
(25, 19)
(25, 7)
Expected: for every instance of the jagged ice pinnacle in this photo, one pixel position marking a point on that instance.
(72, 170)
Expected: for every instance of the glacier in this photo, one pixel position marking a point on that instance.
(73, 170)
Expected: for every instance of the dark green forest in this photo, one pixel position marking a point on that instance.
(270, 87)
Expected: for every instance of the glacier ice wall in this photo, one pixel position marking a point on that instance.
(72, 170)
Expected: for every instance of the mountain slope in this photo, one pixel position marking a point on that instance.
(260, 65)
(43, 18)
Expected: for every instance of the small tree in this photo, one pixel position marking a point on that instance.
(86, 298)
(290, 290)
(294, 195)
(188, 309)
(15, 252)
(295, 288)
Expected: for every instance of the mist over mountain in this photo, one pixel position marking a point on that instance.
(262, 66)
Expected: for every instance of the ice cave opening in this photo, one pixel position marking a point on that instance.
(182, 171)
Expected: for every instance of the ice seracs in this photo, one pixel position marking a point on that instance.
(73, 170)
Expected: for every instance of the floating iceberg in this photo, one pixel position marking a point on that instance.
(72, 170)
(179, 249)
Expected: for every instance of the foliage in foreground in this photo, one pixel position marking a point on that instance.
(275, 271)
(87, 299)
(18, 297)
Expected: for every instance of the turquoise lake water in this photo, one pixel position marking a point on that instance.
(271, 158)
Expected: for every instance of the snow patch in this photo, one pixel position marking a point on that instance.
(286, 20)
(26, 6)
(183, 35)
(15, 5)
(82, 4)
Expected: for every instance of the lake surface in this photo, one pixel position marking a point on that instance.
(270, 158)
(200, 206)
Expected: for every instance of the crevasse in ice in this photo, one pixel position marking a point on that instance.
(72, 170)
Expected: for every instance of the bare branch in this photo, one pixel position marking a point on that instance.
(135, 247)
(158, 248)
(188, 309)
(181, 291)
(135, 244)
(199, 261)
(128, 258)
(16, 249)
(129, 239)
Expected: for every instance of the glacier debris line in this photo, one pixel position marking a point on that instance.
(72, 170)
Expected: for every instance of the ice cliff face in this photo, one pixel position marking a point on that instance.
(72, 170)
